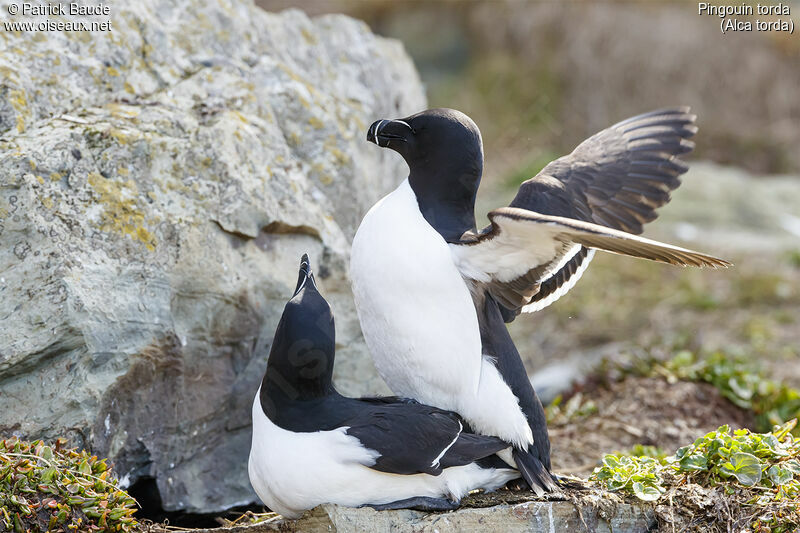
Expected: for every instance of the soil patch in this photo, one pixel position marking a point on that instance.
(641, 410)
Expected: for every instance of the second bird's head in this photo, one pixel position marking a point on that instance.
(439, 138)
(300, 364)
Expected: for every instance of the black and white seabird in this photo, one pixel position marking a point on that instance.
(433, 293)
(311, 445)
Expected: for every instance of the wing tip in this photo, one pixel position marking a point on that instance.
(670, 120)
(700, 260)
(721, 263)
(686, 145)
(677, 110)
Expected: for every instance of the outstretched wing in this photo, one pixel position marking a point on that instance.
(620, 176)
(416, 438)
(617, 178)
(521, 247)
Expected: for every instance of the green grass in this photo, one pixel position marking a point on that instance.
(793, 258)
(643, 307)
(528, 169)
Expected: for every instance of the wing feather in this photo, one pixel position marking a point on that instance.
(616, 178)
(524, 249)
(602, 238)
(413, 438)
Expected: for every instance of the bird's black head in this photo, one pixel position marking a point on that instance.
(444, 153)
(300, 365)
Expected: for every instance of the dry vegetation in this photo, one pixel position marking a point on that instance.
(644, 411)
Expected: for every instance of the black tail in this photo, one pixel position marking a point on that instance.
(534, 472)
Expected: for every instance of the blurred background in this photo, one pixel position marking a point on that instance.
(539, 77)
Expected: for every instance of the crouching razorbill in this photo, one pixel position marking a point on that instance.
(311, 445)
(433, 293)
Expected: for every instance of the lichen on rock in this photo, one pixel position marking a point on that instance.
(158, 184)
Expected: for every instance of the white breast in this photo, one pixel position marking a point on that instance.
(410, 299)
(292, 472)
(419, 320)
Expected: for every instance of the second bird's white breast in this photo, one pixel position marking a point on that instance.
(415, 309)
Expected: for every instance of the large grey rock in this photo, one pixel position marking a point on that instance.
(158, 185)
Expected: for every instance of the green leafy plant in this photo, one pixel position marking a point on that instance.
(755, 469)
(767, 460)
(52, 488)
(641, 476)
(644, 450)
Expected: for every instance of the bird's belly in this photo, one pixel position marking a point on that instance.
(415, 309)
(426, 350)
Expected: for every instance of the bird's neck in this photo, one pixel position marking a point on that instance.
(285, 382)
(446, 199)
(279, 393)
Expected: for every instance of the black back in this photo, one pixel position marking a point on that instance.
(534, 462)
(546, 195)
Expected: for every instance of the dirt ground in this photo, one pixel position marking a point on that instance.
(639, 410)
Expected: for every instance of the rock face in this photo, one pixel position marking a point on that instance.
(159, 183)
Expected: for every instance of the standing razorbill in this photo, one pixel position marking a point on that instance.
(311, 445)
(432, 293)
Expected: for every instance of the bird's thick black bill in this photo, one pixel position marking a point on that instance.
(304, 274)
(373, 130)
(384, 131)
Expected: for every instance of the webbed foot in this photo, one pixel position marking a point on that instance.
(419, 503)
